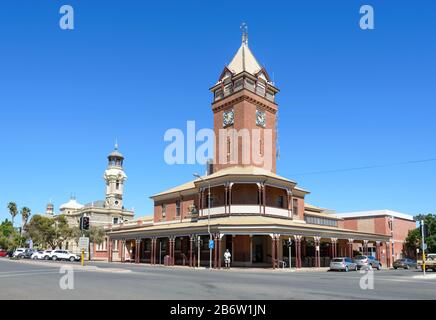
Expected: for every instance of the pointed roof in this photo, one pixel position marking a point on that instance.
(244, 60)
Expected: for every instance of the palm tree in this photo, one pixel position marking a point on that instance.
(12, 206)
(25, 213)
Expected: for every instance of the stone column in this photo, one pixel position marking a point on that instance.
(298, 263)
(123, 250)
(191, 243)
(138, 250)
(220, 237)
(230, 197)
(264, 198)
(365, 247)
(273, 250)
(151, 251)
(377, 251)
(226, 200)
(350, 248)
(334, 247)
(259, 195)
(251, 249)
(215, 251)
(109, 249)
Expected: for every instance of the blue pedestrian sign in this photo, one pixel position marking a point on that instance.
(211, 244)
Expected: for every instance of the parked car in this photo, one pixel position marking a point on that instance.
(64, 255)
(10, 253)
(430, 262)
(3, 253)
(343, 264)
(405, 263)
(19, 253)
(367, 262)
(46, 255)
(27, 253)
(38, 255)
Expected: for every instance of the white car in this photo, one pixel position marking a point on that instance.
(46, 254)
(18, 252)
(64, 255)
(37, 255)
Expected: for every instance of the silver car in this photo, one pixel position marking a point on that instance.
(367, 262)
(343, 264)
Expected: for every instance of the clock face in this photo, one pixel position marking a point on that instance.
(260, 118)
(228, 117)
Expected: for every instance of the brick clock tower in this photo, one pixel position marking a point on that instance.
(245, 113)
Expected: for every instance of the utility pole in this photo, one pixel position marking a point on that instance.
(423, 248)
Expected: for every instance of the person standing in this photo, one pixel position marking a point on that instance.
(227, 258)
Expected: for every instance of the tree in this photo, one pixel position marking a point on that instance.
(95, 234)
(13, 211)
(414, 238)
(25, 213)
(9, 237)
(49, 231)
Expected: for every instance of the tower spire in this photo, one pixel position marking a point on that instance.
(244, 29)
(116, 144)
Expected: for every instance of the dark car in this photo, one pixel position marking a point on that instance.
(404, 263)
(27, 254)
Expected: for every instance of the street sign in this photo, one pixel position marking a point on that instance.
(211, 244)
(83, 243)
(425, 246)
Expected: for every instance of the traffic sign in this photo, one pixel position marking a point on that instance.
(211, 244)
(425, 246)
(83, 243)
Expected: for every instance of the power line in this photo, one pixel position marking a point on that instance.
(365, 167)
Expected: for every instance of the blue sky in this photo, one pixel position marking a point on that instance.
(133, 69)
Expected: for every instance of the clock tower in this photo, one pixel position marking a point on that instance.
(115, 178)
(245, 113)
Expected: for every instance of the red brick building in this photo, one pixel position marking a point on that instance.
(253, 212)
(396, 225)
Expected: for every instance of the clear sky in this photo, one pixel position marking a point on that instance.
(133, 69)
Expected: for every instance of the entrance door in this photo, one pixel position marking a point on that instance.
(258, 253)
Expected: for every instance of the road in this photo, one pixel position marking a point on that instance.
(41, 280)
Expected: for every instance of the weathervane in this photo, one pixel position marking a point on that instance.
(244, 29)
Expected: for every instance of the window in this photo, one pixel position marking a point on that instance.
(178, 244)
(260, 89)
(295, 206)
(321, 221)
(101, 246)
(117, 185)
(178, 208)
(228, 149)
(116, 220)
(147, 245)
(164, 210)
(280, 201)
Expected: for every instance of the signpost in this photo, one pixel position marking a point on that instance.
(83, 246)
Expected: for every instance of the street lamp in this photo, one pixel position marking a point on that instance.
(208, 219)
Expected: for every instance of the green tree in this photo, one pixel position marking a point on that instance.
(13, 211)
(96, 235)
(414, 238)
(49, 231)
(25, 214)
(9, 237)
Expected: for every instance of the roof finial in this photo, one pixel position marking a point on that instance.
(116, 143)
(244, 29)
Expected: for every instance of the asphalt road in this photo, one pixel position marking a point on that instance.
(100, 280)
